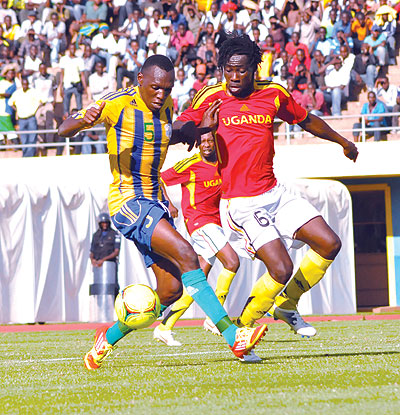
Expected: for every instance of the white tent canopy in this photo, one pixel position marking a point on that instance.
(48, 213)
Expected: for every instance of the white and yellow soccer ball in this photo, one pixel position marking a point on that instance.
(137, 306)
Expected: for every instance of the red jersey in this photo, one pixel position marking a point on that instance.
(201, 190)
(244, 138)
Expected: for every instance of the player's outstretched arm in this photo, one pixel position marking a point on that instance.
(71, 125)
(318, 127)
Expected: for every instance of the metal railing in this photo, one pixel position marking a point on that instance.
(286, 134)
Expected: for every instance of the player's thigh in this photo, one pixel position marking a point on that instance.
(320, 237)
(169, 285)
(208, 240)
(167, 242)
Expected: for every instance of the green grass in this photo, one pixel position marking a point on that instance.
(349, 368)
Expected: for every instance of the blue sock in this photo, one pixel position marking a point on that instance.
(162, 309)
(117, 332)
(198, 288)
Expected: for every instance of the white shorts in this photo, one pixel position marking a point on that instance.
(208, 240)
(257, 220)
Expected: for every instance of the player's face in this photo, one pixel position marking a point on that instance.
(239, 76)
(207, 147)
(155, 85)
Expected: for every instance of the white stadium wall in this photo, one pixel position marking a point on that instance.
(48, 213)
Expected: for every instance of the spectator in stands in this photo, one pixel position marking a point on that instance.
(27, 43)
(360, 29)
(31, 62)
(330, 23)
(228, 21)
(32, 22)
(335, 85)
(290, 16)
(341, 40)
(89, 61)
(94, 142)
(11, 32)
(165, 37)
(302, 78)
(99, 82)
(94, 14)
(135, 26)
(73, 80)
(7, 88)
(295, 130)
(278, 63)
(255, 24)
(364, 70)
(328, 7)
(385, 17)
(313, 100)
(180, 91)
(132, 62)
(193, 18)
(182, 39)
(267, 10)
(153, 47)
(243, 15)
(270, 51)
(322, 43)
(283, 76)
(213, 16)
(201, 80)
(395, 118)
(7, 11)
(208, 52)
(386, 93)
(176, 18)
(45, 85)
(26, 102)
(277, 32)
(188, 103)
(377, 41)
(373, 106)
(316, 9)
(292, 46)
(307, 27)
(300, 58)
(54, 36)
(343, 25)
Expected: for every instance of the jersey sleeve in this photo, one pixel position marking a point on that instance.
(289, 110)
(174, 175)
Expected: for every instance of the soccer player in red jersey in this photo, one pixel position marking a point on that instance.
(260, 210)
(201, 193)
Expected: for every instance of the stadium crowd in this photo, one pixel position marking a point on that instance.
(323, 52)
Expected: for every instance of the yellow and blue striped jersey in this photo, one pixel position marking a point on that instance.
(137, 142)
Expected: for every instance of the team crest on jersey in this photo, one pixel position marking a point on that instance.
(168, 130)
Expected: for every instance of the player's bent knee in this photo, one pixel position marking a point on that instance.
(282, 272)
(187, 258)
(232, 264)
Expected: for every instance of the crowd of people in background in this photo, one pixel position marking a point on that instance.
(323, 51)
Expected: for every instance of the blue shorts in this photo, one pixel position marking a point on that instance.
(137, 219)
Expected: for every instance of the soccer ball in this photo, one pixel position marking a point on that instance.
(137, 306)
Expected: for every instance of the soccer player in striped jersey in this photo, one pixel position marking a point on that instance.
(259, 210)
(139, 129)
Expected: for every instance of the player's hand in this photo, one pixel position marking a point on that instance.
(93, 113)
(173, 210)
(190, 134)
(210, 116)
(350, 150)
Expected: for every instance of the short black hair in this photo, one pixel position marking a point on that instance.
(237, 44)
(160, 61)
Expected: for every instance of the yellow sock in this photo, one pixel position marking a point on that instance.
(176, 311)
(261, 299)
(312, 268)
(224, 282)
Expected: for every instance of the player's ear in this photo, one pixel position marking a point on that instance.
(140, 78)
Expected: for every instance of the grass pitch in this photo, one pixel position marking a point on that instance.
(350, 367)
